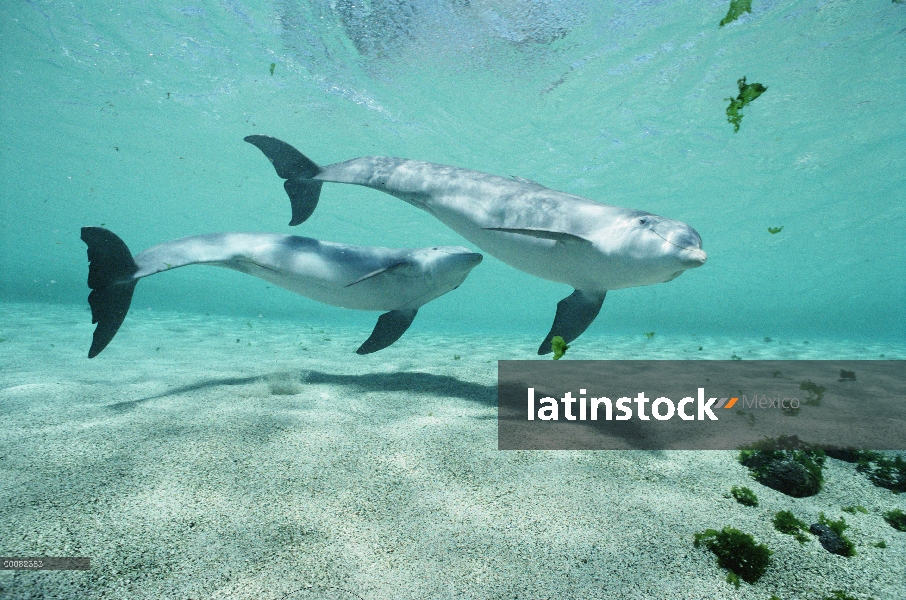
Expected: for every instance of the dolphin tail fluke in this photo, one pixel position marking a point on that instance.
(574, 314)
(298, 171)
(390, 327)
(110, 272)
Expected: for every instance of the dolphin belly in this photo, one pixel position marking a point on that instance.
(332, 289)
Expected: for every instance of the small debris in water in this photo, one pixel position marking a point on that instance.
(747, 93)
(737, 7)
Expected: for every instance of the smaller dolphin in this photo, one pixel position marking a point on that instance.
(398, 281)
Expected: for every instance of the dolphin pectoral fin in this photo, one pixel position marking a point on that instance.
(297, 169)
(574, 314)
(390, 327)
(110, 272)
(392, 267)
(544, 234)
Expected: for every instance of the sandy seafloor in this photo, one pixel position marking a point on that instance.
(187, 464)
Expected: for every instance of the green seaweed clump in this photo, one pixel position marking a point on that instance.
(774, 230)
(736, 552)
(649, 335)
(896, 518)
(884, 472)
(815, 392)
(747, 93)
(744, 496)
(559, 346)
(737, 7)
(848, 548)
(881, 544)
(848, 454)
(785, 464)
(854, 509)
(273, 66)
(786, 522)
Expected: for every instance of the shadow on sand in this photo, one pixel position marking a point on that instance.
(413, 382)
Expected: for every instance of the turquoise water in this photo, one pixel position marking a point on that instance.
(132, 116)
(229, 444)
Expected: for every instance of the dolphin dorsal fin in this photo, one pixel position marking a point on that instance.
(544, 234)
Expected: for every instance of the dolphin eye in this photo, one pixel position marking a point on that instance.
(643, 221)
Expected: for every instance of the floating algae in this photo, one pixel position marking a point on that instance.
(747, 93)
(737, 7)
(273, 66)
(559, 346)
(771, 230)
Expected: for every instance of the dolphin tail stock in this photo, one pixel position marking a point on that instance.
(110, 272)
(390, 327)
(298, 171)
(574, 314)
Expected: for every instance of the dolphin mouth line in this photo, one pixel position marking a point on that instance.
(677, 245)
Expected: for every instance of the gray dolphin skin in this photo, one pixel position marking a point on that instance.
(590, 246)
(397, 281)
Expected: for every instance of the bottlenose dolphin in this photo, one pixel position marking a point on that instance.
(398, 281)
(590, 246)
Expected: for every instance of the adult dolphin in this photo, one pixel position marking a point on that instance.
(398, 281)
(591, 246)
